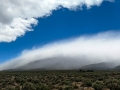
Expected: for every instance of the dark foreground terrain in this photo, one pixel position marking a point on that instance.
(60, 80)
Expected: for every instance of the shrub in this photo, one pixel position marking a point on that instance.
(68, 88)
(75, 86)
(60, 88)
(17, 87)
(98, 86)
(28, 86)
(43, 87)
(9, 88)
(112, 85)
(87, 83)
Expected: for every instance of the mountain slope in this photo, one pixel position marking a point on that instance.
(55, 63)
(117, 67)
(98, 66)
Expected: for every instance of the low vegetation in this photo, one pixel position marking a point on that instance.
(60, 80)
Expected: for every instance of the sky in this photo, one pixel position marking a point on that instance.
(26, 26)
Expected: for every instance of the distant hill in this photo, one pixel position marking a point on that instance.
(117, 67)
(66, 63)
(98, 66)
(55, 63)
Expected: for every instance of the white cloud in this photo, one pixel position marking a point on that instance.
(17, 16)
(103, 47)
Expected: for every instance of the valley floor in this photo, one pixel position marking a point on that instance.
(60, 80)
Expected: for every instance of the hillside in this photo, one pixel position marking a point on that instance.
(56, 63)
(98, 66)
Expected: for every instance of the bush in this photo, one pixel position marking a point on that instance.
(75, 86)
(98, 86)
(43, 87)
(68, 88)
(10, 88)
(112, 84)
(17, 87)
(28, 86)
(60, 88)
(87, 83)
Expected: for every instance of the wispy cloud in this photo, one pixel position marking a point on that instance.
(102, 47)
(18, 16)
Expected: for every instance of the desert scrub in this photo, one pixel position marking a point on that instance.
(75, 86)
(28, 86)
(60, 88)
(112, 84)
(17, 87)
(87, 83)
(98, 85)
(68, 88)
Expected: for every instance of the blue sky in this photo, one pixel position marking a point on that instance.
(65, 24)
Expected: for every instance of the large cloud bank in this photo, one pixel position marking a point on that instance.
(102, 47)
(18, 16)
